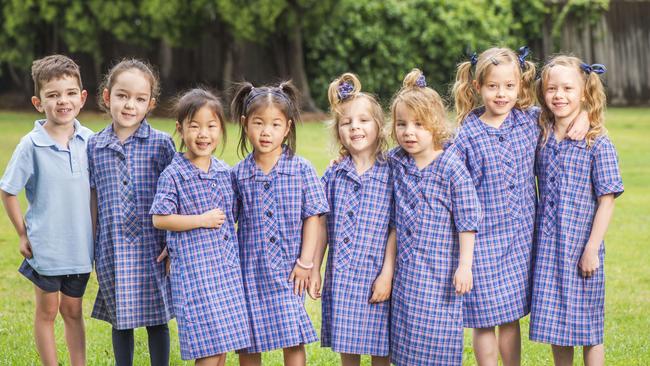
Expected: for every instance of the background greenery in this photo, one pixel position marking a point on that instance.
(627, 318)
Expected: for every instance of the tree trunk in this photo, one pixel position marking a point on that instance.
(296, 65)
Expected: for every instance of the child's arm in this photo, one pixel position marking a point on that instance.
(579, 127)
(589, 261)
(212, 219)
(12, 206)
(315, 280)
(463, 277)
(93, 211)
(302, 269)
(381, 288)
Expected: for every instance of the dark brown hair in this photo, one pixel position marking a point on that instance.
(191, 102)
(248, 99)
(53, 67)
(126, 65)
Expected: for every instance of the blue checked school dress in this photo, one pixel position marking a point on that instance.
(568, 309)
(433, 206)
(271, 211)
(501, 162)
(133, 288)
(357, 229)
(206, 281)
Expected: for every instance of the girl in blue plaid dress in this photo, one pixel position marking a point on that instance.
(578, 181)
(437, 214)
(359, 230)
(125, 161)
(280, 200)
(195, 202)
(497, 144)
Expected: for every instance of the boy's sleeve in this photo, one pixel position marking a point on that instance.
(165, 202)
(20, 168)
(605, 173)
(466, 207)
(314, 201)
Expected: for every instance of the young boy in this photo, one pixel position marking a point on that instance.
(56, 239)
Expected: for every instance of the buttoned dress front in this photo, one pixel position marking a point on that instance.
(568, 308)
(357, 226)
(206, 281)
(501, 162)
(133, 288)
(433, 206)
(272, 208)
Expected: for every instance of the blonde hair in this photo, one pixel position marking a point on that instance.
(465, 95)
(338, 100)
(593, 92)
(426, 104)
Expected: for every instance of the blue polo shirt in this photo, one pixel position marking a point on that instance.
(56, 184)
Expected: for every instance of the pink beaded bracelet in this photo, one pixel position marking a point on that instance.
(301, 265)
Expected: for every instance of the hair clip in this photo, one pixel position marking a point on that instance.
(345, 90)
(494, 61)
(523, 53)
(421, 81)
(597, 68)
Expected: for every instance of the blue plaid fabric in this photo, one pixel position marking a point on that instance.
(501, 163)
(133, 289)
(206, 281)
(271, 211)
(357, 228)
(568, 309)
(432, 206)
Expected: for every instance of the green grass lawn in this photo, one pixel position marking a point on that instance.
(627, 321)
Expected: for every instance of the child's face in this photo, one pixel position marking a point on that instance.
(563, 91)
(61, 100)
(411, 134)
(266, 128)
(358, 130)
(201, 134)
(499, 90)
(129, 99)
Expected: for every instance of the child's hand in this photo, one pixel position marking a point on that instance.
(381, 288)
(300, 278)
(25, 247)
(164, 256)
(589, 262)
(463, 279)
(579, 127)
(315, 283)
(213, 219)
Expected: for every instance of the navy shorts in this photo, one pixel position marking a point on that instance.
(73, 285)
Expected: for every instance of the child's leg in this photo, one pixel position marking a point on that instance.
(295, 356)
(594, 355)
(123, 347)
(486, 351)
(250, 359)
(510, 343)
(47, 306)
(218, 360)
(75, 336)
(348, 359)
(158, 336)
(562, 356)
(380, 361)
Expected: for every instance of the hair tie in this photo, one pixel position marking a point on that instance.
(597, 68)
(473, 59)
(345, 90)
(421, 81)
(523, 53)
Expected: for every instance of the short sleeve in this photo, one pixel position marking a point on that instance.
(533, 113)
(165, 202)
(466, 207)
(313, 194)
(605, 174)
(20, 168)
(167, 152)
(90, 151)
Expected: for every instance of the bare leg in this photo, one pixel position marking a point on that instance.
(562, 356)
(510, 343)
(218, 360)
(75, 336)
(250, 359)
(484, 341)
(594, 355)
(295, 356)
(348, 359)
(47, 306)
(380, 361)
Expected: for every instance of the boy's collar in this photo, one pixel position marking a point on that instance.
(40, 137)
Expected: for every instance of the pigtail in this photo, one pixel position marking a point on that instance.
(237, 111)
(527, 94)
(292, 94)
(546, 118)
(463, 92)
(595, 102)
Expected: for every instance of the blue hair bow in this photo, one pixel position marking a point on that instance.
(344, 90)
(523, 53)
(597, 68)
(421, 81)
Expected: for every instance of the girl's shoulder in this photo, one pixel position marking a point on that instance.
(602, 143)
